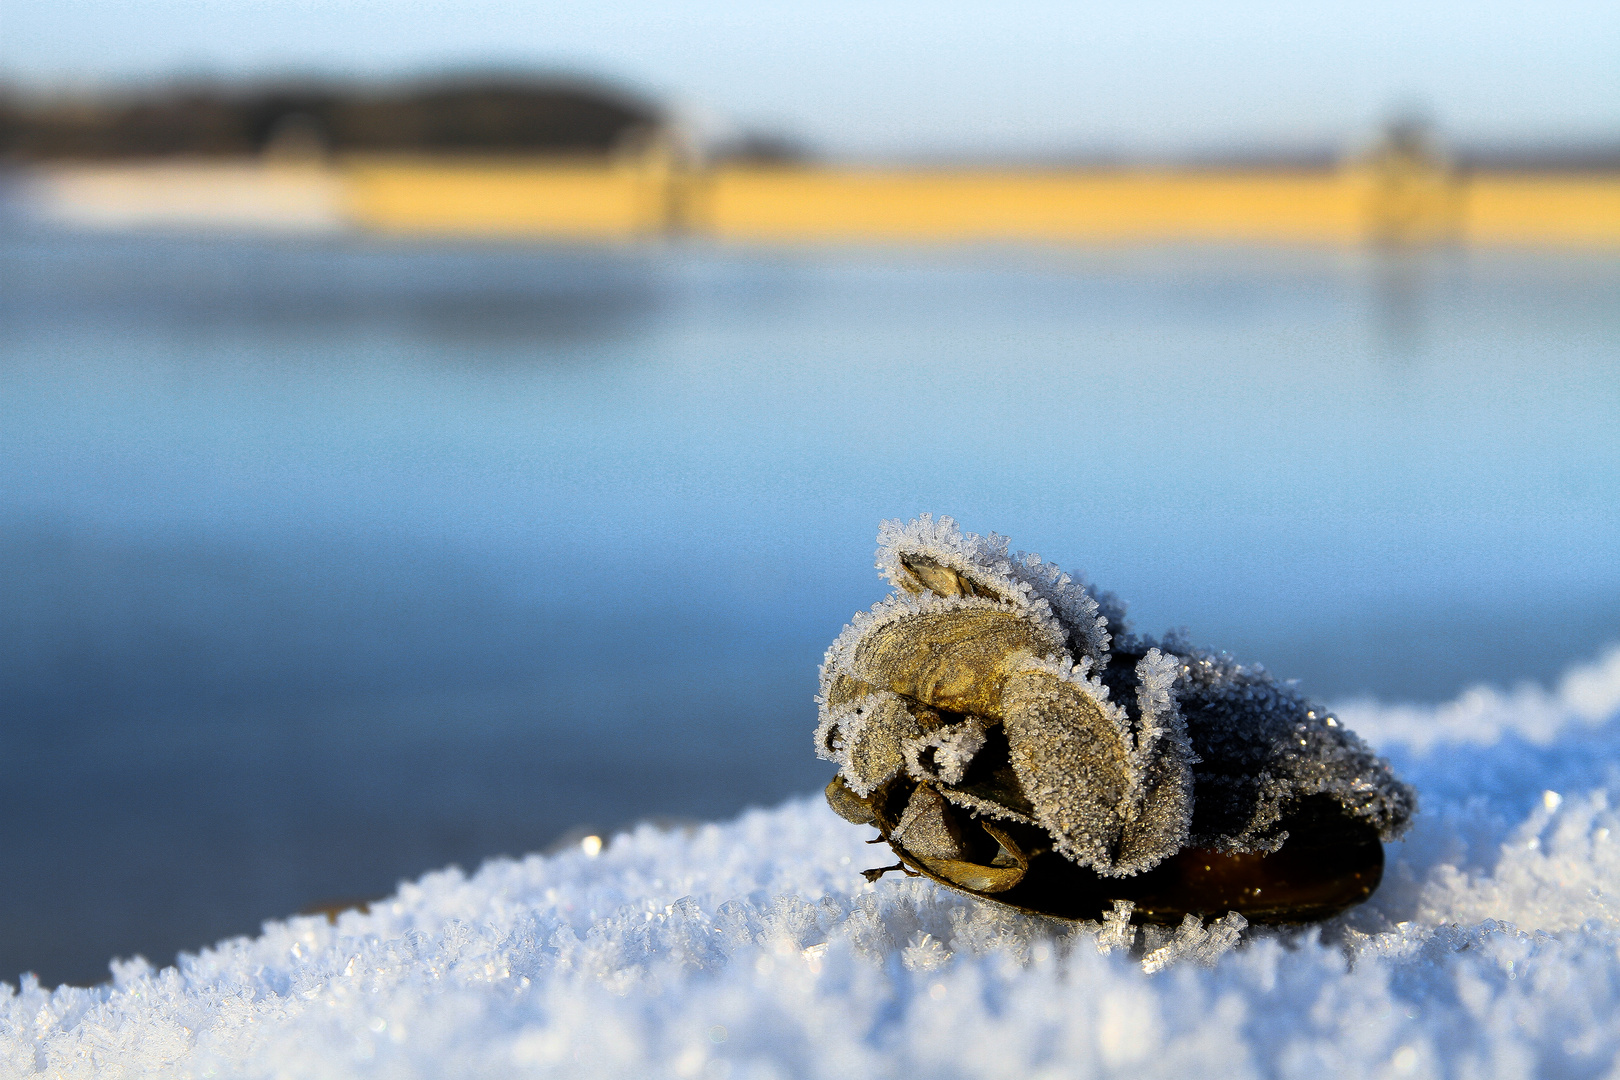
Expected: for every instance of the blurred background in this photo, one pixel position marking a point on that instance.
(441, 432)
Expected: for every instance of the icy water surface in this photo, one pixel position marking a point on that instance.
(328, 564)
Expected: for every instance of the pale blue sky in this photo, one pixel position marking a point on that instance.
(908, 77)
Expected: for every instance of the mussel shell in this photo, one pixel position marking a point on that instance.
(1330, 862)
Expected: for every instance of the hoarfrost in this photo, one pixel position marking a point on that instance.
(945, 755)
(754, 948)
(1195, 942)
(926, 829)
(936, 555)
(1116, 931)
(1261, 746)
(867, 737)
(1088, 793)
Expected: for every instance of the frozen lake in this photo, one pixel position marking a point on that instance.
(327, 564)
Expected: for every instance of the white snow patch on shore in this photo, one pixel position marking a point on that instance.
(1585, 697)
(754, 949)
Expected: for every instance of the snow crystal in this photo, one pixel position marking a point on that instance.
(1195, 942)
(754, 948)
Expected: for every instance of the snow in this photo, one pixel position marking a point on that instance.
(754, 948)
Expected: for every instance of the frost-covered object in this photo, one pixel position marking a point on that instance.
(1007, 734)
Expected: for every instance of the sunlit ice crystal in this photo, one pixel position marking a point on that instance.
(1004, 730)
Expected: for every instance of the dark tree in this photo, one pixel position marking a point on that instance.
(469, 115)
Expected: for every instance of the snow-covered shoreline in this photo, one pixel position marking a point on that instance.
(753, 948)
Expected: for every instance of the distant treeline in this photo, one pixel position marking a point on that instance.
(490, 115)
(516, 114)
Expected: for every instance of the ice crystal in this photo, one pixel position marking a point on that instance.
(944, 756)
(1262, 746)
(924, 553)
(926, 829)
(1195, 942)
(1116, 931)
(868, 737)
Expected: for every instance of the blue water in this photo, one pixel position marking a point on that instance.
(328, 563)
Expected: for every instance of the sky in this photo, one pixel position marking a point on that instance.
(877, 78)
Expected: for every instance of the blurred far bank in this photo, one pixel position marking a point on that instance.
(536, 159)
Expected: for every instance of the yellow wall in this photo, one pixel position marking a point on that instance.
(626, 199)
(584, 200)
(1105, 207)
(1544, 210)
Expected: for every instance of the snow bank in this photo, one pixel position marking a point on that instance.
(755, 949)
